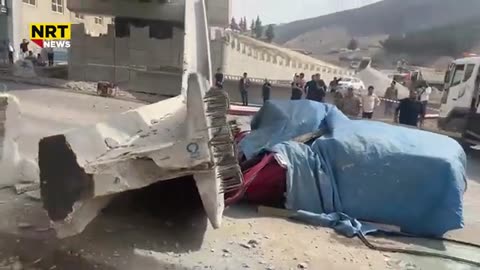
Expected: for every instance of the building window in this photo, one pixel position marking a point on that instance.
(99, 20)
(30, 2)
(57, 6)
(79, 16)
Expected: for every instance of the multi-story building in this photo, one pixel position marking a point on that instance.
(19, 14)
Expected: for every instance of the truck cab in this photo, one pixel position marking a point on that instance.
(459, 111)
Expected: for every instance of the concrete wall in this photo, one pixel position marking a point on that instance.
(263, 60)
(137, 62)
(153, 10)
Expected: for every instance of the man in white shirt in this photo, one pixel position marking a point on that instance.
(369, 103)
(424, 97)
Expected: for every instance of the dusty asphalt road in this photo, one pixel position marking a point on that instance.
(145, 238)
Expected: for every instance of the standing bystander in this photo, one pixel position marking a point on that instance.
(50, 56)
(24, 48)
(310, 85)
(297, 90)
(370, 102)
(409, 111)
(266, 88)
(219, 79)
(424, 97)
(11, 52)
(351, 104)
(315, 90)
(333, 85)
(244, 84)
(391, 97)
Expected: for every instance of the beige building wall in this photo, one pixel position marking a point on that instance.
(40, 11)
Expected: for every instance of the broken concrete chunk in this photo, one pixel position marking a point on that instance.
(34, 195)
(195, 140)
(22, 188)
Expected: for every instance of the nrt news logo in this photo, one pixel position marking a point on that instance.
(51, 35)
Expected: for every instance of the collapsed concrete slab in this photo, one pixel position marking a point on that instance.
(379, 80)
(82, 170)
(13, 167)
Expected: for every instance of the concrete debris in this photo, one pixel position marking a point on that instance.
(24, 225)
(111, 143)
(23, 188)
(195, 140)
(253, 243)
(34, 195)
(16, 266)
(45, 229)
(302, 266)
(245, 245)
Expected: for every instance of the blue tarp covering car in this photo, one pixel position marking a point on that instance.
(365, 170)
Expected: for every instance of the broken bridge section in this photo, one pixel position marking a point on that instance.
(82, 170)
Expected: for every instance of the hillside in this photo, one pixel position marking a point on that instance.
(452, 40)
(386, 17)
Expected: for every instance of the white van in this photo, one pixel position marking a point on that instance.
(459, 111)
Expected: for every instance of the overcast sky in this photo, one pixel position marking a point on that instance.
(282, 11)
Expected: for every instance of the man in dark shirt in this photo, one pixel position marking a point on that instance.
(24, 48)
(297, 89)
(409, 110)
(311, 84)
(333, 85)
(316, 89)
(219, 78)
(244, 84)
(267, 86)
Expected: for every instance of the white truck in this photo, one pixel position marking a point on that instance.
(459, 111)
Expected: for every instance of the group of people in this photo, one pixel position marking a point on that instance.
(353, 105)
(409, 111)
(315, 89)
(25, 53)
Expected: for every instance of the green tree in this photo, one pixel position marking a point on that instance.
(252, 27)
(270, 33)
(243, 24)
(234, 24)
(353, 44)
(258, 28)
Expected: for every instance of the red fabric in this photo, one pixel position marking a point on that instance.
(264, 183)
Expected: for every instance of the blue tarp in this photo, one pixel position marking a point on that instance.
(363, 169)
